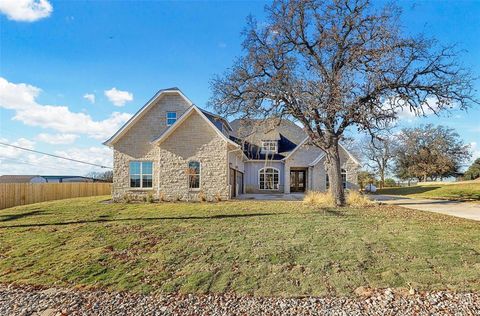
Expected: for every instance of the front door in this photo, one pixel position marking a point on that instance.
(233, 183)
(297, 180)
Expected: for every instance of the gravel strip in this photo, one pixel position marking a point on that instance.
(28, 300)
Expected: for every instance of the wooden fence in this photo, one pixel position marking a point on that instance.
(12, 194)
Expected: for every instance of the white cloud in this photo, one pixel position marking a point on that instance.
(21, 98)
(16, 161)
(430, 106)
(26, 10)
(10, 152)
(57, 139)
(90, 97)
(118, 97)
(95, 154)
(475, 149)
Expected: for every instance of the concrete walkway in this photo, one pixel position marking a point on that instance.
(467, 210)
(272, 197)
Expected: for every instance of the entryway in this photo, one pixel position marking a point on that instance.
(298, 180)
(272, 197)
(236, 183)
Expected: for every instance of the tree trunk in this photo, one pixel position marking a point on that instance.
(382, 178)
(335, 174)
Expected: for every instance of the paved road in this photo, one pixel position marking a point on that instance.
(467, 210)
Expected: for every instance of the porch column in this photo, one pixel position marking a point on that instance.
(286, 177)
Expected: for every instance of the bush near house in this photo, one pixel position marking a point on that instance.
(244, 247)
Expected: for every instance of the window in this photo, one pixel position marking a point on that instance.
(269, 146)
(194, 175)
(269, 179)
(141, 174)
(344, 179)
(171, 118)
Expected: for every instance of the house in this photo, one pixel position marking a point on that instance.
(173, 150)
(43, 179)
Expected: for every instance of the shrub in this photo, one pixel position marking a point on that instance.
(150, 198)
(389, 182)
(202, 197)
(356, 199)
(325, 199)
(321, 199)
(161, 197)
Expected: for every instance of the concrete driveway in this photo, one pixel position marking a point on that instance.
(467, 210)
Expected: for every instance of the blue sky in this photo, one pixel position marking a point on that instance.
(52, 58)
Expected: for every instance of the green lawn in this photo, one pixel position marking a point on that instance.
(463, 191)
(245, 247)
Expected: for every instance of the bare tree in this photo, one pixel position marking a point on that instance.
(337, 64)
(106, 176)
(379, 153)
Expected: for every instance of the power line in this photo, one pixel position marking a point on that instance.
(42, 165)
(55, 156)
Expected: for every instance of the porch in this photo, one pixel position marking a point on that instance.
(271, 196)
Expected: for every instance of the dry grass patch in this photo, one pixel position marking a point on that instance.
(325, 199)
(321, 199)
(262, 248)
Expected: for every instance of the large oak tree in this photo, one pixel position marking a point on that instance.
(332, 65)
(429, 152)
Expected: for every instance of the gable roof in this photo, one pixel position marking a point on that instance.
(250, 133)
(143, 110)
(317, 160)
(186, 115)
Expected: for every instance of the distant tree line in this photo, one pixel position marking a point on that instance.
(473, 172)
(106, 176)
(425, 153)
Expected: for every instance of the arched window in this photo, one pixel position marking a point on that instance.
(344, 179)
(193, 174)
(268, 178)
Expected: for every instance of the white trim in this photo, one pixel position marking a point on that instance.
(296, 148)
(346, 178)
(270, 141)
(167, 118)
(182, 118)
(112, 140)
(349, 154)
(141, 187)
(278, 170)
(317, 160)
(265, 160)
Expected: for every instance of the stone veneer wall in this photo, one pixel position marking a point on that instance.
(135, 145)
(194, 140)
